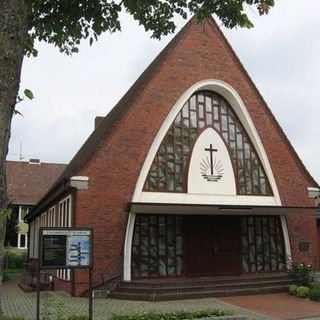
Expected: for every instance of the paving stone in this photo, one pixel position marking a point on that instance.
(15, 302)
(279, 306)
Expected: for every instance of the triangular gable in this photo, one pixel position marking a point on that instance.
(211, 31)
(197, 52)
(204, 53)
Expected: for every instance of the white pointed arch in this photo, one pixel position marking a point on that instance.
(231, 95)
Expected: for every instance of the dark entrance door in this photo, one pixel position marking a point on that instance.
(227, 245)
(212, 245)
(198, 246)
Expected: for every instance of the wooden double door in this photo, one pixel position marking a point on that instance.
(212, 245)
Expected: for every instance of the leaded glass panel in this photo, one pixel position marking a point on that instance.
(262, 245)
(160, 252)
(206, 109)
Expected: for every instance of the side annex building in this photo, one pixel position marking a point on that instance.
(189, 176)
(27, 181)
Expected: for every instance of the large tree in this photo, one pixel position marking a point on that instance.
(64, 23)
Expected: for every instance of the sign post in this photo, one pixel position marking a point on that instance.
(65, 248)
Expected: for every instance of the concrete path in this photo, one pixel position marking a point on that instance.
(278, 306)
(17, 303)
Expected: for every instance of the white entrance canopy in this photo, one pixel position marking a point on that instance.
(192, 209)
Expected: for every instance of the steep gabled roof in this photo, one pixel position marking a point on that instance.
(109, 123)
(28, 182)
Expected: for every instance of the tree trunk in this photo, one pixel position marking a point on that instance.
(13, 32)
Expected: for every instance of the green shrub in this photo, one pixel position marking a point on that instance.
(14, 259)
(315, 293)
(312, 285)
(303, 292)
(13, 318)
(179, 315)
(293, 289)
(302, 273)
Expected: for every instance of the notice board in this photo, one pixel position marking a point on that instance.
(69, 248)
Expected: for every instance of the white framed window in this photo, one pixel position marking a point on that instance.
(22, 240)
(51, 217)
(43, 220)
(64, 220)
(64, 215)
(23, 211)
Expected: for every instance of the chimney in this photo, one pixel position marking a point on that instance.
(97, 121)
(34, 161)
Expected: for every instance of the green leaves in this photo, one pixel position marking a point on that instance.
(177, 315)
(28, 93)
(64, 23)
(6, 213)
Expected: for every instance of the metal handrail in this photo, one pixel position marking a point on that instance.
(110, 283)
(113, 276)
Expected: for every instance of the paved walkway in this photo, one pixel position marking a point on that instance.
(53, 304)
(17, 303)
(278, 306)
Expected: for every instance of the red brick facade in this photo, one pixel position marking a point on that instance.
(199, 52)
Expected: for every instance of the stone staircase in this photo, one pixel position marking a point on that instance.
(175, 289)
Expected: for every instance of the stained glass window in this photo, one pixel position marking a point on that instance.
(262, 244)
(158, 246)
(168, 172)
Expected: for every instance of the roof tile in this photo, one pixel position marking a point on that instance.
(27, 182)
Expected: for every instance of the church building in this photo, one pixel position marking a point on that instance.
(189, 176)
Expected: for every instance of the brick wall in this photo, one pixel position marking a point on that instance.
(201, 53)
(60, 284)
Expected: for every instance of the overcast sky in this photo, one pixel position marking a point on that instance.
(281, 54)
